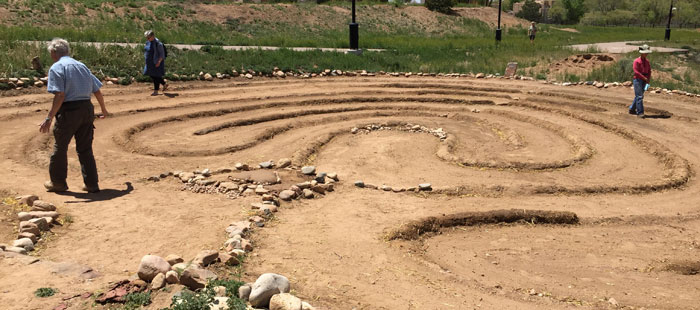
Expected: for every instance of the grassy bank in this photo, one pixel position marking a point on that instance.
(441, 43)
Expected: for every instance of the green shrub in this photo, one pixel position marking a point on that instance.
(44, 292)
(442, 6)
(137, 300)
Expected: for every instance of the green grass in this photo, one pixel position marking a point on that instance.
(462, 45)
(137, 300)
(200, 300)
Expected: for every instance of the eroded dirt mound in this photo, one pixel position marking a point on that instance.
(582, 63)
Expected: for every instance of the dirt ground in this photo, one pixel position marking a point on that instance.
(509, 145)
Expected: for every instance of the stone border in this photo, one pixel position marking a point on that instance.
(41, 217)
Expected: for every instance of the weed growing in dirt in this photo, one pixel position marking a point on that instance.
(188, 300)
(137, 300)
(44, 292)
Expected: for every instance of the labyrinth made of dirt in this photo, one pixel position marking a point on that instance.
(542, 196)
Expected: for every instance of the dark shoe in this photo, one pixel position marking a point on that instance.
(633, 112)
(91, 189)
(155, 93)
(51, 187)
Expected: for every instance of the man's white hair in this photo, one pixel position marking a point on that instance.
(59, 46)
(148, 33)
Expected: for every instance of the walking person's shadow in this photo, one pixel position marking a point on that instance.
(102, 195)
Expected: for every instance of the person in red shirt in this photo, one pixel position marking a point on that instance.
(642, 74)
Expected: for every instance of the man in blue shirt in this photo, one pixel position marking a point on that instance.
(72, 84)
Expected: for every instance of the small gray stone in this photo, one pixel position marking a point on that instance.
(158, 282)
(196, 278)
(29, 227)
(244, 292)
(266, 164)
(265, 287)
(285, 301)
(386, 188)
(172, 277)
(241, 166)
(27, 199)
(359, 184)
(308, 194)
(287, 195)
(25, 243)
(206, 257)
(30, 236)
(150, 266)
(284, 163)
(308, 170)
(304, 185)
(321, 177)
(173, 259)
(41, 223)
(40, 205)
(333, 176)
(425, 187)
(14, 249)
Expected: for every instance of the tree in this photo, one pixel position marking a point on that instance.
(530, 11)
(557, 13)
(509, 5)
(442, 6)
(574, 10)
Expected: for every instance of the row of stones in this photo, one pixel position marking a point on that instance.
(270, 290)
(19, 83)
(656, 90)
(423, 187)
(408, 127)
(41, 217)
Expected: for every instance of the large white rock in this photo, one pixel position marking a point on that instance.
(206, 257)
(152, 265)
(285, 301)
(265, 287)
(25, 243)
(172, 277)
(158, 282)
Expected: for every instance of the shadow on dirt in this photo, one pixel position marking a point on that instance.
(102, 195)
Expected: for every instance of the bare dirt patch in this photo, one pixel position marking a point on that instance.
(576, 149)
(581, 64)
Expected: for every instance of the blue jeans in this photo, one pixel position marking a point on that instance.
(638, 102)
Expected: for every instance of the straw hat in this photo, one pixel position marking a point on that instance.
(644, 49)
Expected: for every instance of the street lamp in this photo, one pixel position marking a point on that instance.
(354, 34)
(498, 30)
(668, 26)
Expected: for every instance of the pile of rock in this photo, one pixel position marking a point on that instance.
(173, 269)
(423, 187)
(407, 127)
(41, 217)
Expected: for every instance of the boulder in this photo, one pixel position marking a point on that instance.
(40, 205)
(172, 277)
(308, 170)
(206, 257)
(284, 163)
(173, 259)
(196, 278)
(265, 287)
(152, 265)
(158, 282)
(27, 199)
(285, 301)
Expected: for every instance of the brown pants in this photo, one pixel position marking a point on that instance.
(74, 119)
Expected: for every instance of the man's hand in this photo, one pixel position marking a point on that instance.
(157, 64)
(45, 125)
(105, 114)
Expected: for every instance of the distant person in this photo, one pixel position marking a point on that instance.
(155, 61)
(642, 75)
(71, 83)
(531, 32)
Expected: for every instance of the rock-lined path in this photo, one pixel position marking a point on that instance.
(623, 47)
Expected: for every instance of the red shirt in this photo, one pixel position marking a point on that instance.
(642, 68)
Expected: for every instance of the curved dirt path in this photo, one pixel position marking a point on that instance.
(510, 144)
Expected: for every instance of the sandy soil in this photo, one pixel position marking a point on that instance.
(530, 146)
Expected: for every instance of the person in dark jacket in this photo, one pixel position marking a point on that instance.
(155, 61)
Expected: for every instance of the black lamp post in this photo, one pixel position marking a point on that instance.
(498, 30)
(668, 26)
(354, 34)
